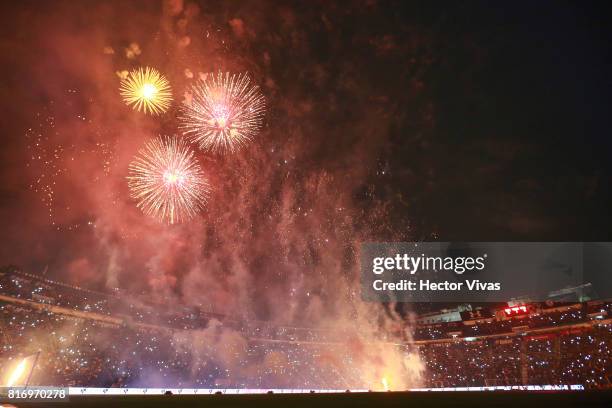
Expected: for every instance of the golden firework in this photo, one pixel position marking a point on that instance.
(147, 90)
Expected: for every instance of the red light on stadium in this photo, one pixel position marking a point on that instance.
(515, 310)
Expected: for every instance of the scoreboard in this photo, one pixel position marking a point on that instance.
(516, 311)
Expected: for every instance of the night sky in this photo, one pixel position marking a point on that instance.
(386, 120)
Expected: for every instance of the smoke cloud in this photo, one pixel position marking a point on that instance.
(279, 240)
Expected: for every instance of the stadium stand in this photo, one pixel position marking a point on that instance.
(86, 341)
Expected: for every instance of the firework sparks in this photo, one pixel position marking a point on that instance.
(55, 159)
(167, 181)
(146, 90)
(224, 113)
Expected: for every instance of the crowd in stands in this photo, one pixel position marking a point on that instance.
(555, 345)
(82, 352)
(30, 287)
(583, 357)
(542, 318)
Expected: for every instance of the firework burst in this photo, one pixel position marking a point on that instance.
(167, 182)
(225, 112)
(146, 90)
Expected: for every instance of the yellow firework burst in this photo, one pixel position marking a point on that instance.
(147, 90)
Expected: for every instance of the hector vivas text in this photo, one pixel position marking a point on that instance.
(412, 265)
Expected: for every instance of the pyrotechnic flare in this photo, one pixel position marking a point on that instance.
(167, 181)
(146, 90)
(224, 113)
(17, 373)
(385, 383)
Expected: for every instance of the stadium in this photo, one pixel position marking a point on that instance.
(92, 347)
(302, 203)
